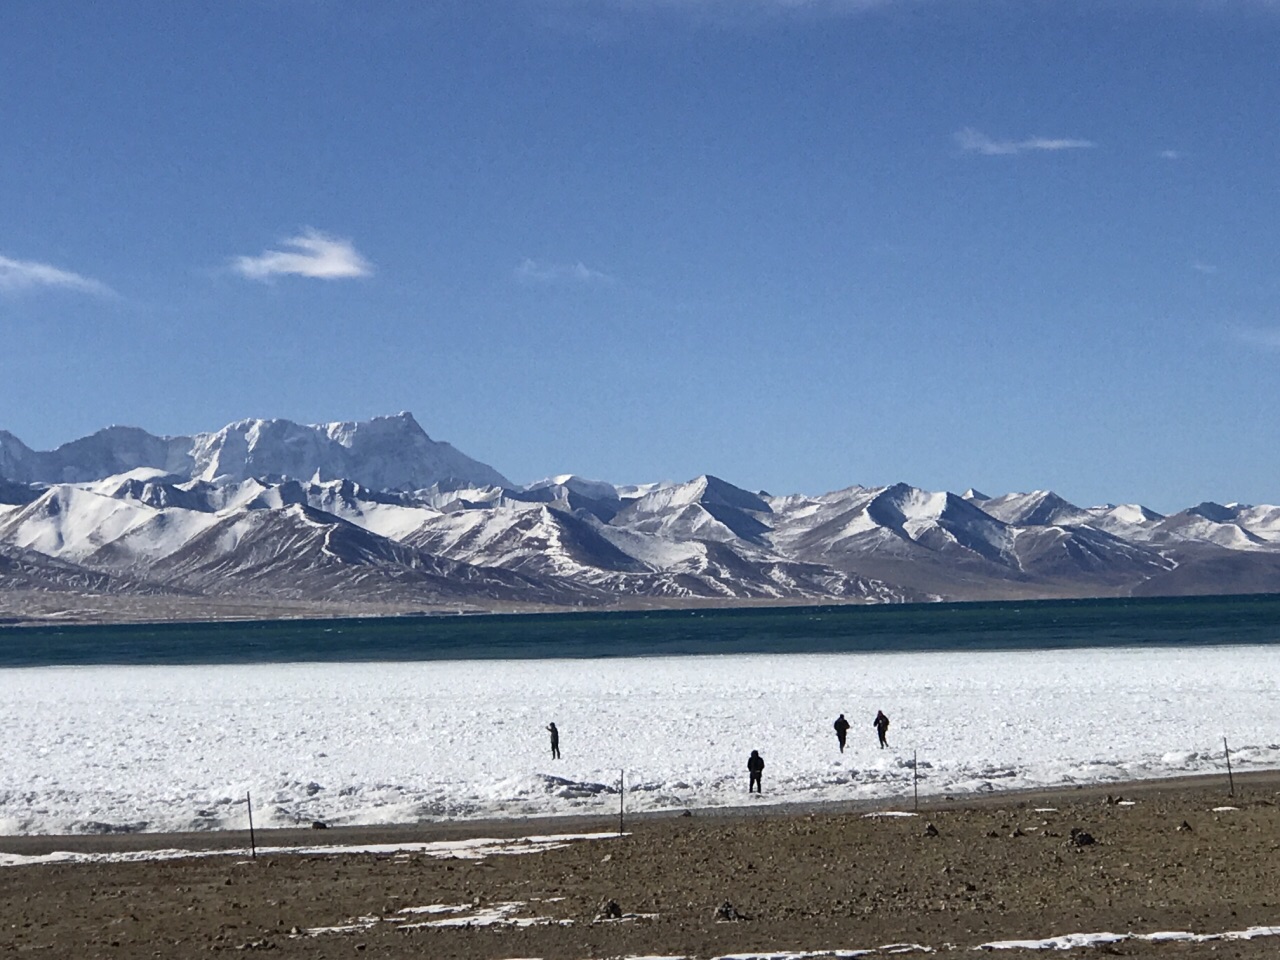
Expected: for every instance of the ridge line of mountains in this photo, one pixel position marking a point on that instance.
(271, 517)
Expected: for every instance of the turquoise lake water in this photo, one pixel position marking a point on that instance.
(1049, 624)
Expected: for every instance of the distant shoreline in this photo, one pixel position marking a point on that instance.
(606, 820)
(245, 611)
(232, 611)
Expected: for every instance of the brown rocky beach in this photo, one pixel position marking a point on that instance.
(1129, 860)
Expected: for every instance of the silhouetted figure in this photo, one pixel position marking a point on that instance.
(842, 730)
(755, 767)
(881, 723)
(555, 741)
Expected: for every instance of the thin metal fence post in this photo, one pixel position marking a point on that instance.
(915, 778)
(253, 845)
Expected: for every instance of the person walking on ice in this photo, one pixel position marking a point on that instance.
(755, 767)
(842, 730)
(555, 741)
(881, 723)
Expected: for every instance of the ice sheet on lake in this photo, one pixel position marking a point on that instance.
(98, 749)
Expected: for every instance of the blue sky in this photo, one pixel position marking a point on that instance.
(799, 245)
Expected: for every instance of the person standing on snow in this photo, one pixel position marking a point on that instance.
(755, 767)
(881, 723)
(842, 730)
(555, 741)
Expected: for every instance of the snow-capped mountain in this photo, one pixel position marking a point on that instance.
(1038, 508)
(385, 453)
(707, 508)
(375, 517)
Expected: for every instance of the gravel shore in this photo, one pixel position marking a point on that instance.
(1129, 860)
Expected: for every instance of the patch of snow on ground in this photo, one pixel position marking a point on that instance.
(462, 915)
(1073, 941)
(1068, 941)
(497, 914)
(473, 849)
(892, 948)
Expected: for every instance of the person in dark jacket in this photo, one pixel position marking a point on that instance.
(555, 741)
(842, 730)
(755, 767)
(881, 723)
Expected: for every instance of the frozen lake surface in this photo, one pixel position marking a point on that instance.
(96, 748)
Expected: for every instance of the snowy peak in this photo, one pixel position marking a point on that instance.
(1040, 508)
(592, 489)
(940, 521)
(350, 433)
(1123, 520)
(396, 454)
(706, 508)
(1234, 526)
(900, 505)
(66, 521)
(911, 510)
(1134, 513)
(1215, 512)
(707, 491)
(385, 453)
(119, 449)
(573, 495)
(14, 456)
(108, 452)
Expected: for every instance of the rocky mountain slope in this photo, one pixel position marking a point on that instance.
(377, 515)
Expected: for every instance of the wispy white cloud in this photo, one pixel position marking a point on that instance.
(542, 271)
(1266, 337)
(1171, 154)
(17, 275)
(973, 141)
(606, 20)
(1199, 266)
(310, 254)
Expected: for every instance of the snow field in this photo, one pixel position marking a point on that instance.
(177, 748)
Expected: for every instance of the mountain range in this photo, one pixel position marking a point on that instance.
(270, 517)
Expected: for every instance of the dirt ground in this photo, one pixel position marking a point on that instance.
(960, 873)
